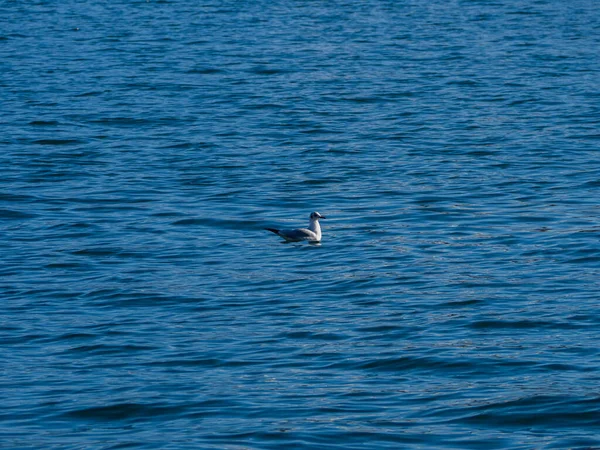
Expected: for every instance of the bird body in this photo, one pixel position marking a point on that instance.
(311, 234)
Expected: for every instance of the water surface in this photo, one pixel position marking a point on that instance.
(453, 302)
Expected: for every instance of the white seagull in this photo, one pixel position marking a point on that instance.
(311, 234)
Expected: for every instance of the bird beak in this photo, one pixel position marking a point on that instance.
(322, 217)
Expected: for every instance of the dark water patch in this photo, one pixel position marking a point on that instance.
(44, 123)
(101, 251)
(363, 100)
(465, 83)
(11, 214)
(561, 367)
(321, 181)
(264, 70)
(90, 94)
(123, 121)
(408, 363)
(206, 71)
(191, 362)
(102, 209)
(127, 412)
(170, 214)
(584, 260)
(294, 335)
(68, 265)
(106, 349)
(110, 198)
(13, 197)
(462, 303)
(76, 336)
(74, 226)
(58, 142)
(118, 298)
(131, 444)
(219, 223)
(183, 145)
(22, 339)
(380, 328)
(518, 324)
(481, 153)
(537, 411)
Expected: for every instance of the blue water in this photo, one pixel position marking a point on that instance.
(453, 302)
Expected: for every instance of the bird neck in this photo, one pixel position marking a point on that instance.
(315, 227)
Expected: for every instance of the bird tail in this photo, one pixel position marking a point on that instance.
(272, 230)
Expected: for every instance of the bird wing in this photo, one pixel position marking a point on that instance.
(299, 234)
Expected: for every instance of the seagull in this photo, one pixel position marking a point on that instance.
(311, 234)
